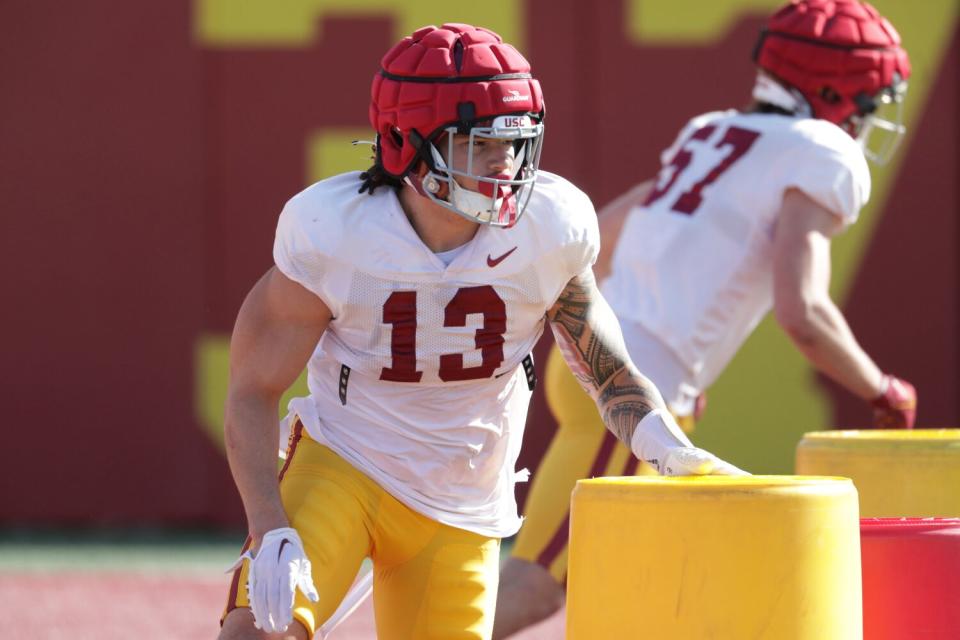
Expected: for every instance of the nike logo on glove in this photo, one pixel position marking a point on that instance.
(280, 550)
(492, 262)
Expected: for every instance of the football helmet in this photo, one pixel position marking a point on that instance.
(458, 80)
(844, 61)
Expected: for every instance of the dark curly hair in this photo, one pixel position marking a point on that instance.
(375, 177)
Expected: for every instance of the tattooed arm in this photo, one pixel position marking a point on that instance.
(589, 337)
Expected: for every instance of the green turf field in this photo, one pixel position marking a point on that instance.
(148, 550)
(116, 550)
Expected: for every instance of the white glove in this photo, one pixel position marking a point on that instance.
(660, 442)
(276, 572)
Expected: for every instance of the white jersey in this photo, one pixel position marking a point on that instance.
(693, 266)
(436, 399)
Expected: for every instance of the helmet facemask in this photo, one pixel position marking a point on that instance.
(500, 199)
(879, 130)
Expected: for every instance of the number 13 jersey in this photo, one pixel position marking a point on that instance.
(693, 265)
(435, 402)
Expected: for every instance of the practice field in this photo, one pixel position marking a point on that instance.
(149, 585)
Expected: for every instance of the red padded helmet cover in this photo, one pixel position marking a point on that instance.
(843, 46)
(426, 76)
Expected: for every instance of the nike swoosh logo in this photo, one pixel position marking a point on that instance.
(492, 262)
(280, 550)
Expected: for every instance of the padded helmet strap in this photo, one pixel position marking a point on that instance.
(467, 114)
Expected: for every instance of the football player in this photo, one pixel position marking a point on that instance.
(426, 281)
(738, 221)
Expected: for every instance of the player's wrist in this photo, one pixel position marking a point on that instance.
(655, 435)
(896, 406)
(893, 391)
(266, 514)
(881, 388)
(280, 532)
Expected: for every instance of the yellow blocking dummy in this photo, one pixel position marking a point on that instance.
(430, 580)
(897, 473)
(719, 557)
(581, 448)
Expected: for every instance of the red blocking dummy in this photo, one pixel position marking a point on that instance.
(911, 578)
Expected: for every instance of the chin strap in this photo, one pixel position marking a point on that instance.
(502, 194)
(508, 210)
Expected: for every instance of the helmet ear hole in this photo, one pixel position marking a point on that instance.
(865, 104)
(397, 136)
(829, 95)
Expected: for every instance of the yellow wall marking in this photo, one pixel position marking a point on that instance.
(231, 24)
(331, 151)
(212, 364)
(693, 22)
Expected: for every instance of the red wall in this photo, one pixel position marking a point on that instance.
(141, 177)
(103, 184)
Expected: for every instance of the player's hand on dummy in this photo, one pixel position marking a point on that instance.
(278, 569)
(896, 407)
(659, 442)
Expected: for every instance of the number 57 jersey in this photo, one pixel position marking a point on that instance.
(418, 381)
(694, 264)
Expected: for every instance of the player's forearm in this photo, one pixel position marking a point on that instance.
(251, 436)
(624, 400)
(825, 339)
(589, 337)
(590, 340)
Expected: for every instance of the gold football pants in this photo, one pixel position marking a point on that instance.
(430, 580)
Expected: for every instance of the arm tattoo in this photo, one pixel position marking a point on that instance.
(588, 335)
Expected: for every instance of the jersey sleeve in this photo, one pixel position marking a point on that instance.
(295, 249)
(582, 252)
(833, 173)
